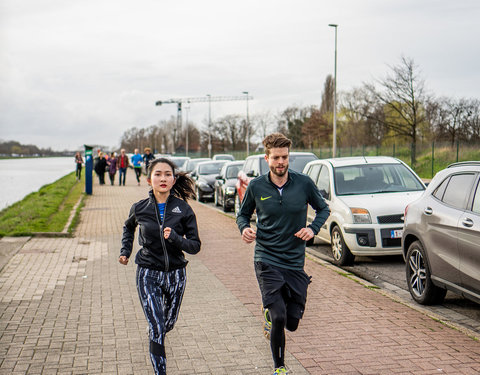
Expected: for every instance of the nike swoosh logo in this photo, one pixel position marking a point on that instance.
(264, 198)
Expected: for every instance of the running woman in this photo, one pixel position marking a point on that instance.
(168, 227)
(281, 199)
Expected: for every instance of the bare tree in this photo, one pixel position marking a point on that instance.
(264, 122)
(402, 96)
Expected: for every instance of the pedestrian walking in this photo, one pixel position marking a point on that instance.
(100, 168)
(147, 157)
(122, 165)
(112, 168)
(137, 164)
(168, 227)
(280, 199)
(78, 164)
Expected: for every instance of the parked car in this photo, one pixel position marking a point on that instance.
(179, 161)
(225, 185)
(190, 165)
(367, 197)
(441, 236)
(224, 157)
(204, 175)
(256, 165)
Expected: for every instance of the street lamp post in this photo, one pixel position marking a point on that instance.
(334, 148)
(209, 125)
(248, 125)
(186, 129)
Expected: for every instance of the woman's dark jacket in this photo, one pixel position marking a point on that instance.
(100, 166)
(156, 252)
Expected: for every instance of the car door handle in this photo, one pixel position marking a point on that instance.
(467, 222)
(428, 211)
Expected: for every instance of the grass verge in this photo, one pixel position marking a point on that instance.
(46, 210)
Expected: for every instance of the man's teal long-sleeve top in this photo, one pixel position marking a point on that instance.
(280, 216)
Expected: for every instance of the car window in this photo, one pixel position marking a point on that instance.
(248, 165)
(375, 178)
(458, 190)
(298, 162)
(210, 168)
(440, 190)
(476, 200)
(323, 182)
(263, 166)
(256, 167)
(232, 171)
(314, 171)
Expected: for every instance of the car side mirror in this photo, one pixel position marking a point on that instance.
(219, 177)
(251, 173)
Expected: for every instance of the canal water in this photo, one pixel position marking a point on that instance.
(20, 177)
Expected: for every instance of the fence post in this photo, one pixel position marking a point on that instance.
(457, 150)
(433, 155)
(394, 150)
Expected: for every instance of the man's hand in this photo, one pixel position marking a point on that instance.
(249, 235)
(123, 259)
(305, 234)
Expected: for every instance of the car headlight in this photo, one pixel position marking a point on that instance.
(230, 190)
(361, 215)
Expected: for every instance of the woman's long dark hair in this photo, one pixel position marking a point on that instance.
(184, 186)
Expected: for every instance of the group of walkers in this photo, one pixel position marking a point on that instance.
(112, 163)
(168, 228)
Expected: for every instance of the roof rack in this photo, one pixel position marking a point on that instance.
(465, 163)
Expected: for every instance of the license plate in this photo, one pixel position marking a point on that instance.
(396, 233)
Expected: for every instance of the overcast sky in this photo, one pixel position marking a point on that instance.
(76, 72)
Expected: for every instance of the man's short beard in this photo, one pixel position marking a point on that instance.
(272, 169)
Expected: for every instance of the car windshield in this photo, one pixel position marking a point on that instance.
(178, 161)
(296, 163)
(210, 168)
(375, 178)
(191, 164)
(232, 171)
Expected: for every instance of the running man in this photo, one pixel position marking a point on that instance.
(281, 198)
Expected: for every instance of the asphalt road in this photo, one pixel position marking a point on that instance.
(388, 273)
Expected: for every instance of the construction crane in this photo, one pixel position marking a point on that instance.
(201, 99)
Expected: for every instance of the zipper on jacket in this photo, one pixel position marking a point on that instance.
(160, 225)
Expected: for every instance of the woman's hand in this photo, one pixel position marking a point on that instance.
(123, 259)
(166, 232)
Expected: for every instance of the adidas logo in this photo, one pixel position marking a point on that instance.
(177, 210)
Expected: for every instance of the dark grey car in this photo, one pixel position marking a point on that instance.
(225, 185)
(441, 237)
(204, 175)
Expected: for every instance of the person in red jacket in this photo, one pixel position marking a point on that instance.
(122, 165)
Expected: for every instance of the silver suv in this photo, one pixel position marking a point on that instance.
(441, 236)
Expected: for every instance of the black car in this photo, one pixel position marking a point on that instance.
(225, 185)
(204, 175)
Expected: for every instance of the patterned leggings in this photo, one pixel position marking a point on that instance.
(161, 295)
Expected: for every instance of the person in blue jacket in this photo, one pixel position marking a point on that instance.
(137, 160)
(168, 228)
(280, 199)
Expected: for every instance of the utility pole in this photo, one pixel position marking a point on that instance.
(248, 125)
(334, 148)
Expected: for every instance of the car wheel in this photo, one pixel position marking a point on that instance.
(237, 205)
(215, 198)
(199, 197)
(340, 251)
(419, 279)
(224, 204)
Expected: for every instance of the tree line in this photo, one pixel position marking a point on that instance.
(395, 109)
(14, 148)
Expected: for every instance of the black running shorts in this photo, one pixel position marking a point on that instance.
(282, 283)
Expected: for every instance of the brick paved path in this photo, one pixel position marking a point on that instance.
(68, 307)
